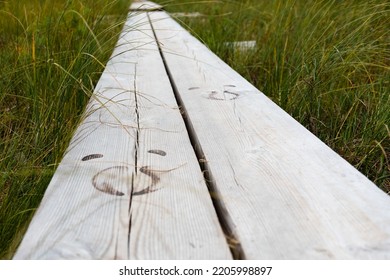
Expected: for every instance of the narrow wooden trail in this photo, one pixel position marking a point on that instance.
(179, 157)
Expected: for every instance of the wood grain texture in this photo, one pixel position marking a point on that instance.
(286, 194)
(129, 185)
(172, 216)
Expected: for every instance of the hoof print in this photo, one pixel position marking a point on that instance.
(225, 95)
(155, 180)
(104, 180)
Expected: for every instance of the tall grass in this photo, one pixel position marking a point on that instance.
(51, 53)
(327, 63)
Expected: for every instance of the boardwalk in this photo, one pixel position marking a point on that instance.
(179, 157)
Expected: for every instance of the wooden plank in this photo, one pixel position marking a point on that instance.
(141, 5)
(129, 185)
(173, 217)
(286, 194)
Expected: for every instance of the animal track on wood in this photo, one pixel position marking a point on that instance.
(92, 156)
(158, 152)
(215, 95)
(103, 180)
(155, 179)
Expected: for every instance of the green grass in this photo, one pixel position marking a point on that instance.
(52, 53)
(327, 63)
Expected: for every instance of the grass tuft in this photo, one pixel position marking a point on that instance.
(52, 54)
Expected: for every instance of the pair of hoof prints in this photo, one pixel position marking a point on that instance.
(102, 180)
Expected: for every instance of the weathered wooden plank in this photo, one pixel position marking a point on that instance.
(143, 5)
(172, 216)
(129, 185)
(286, 194)
(84, 213)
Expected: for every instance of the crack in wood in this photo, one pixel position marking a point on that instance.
(137, 118)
